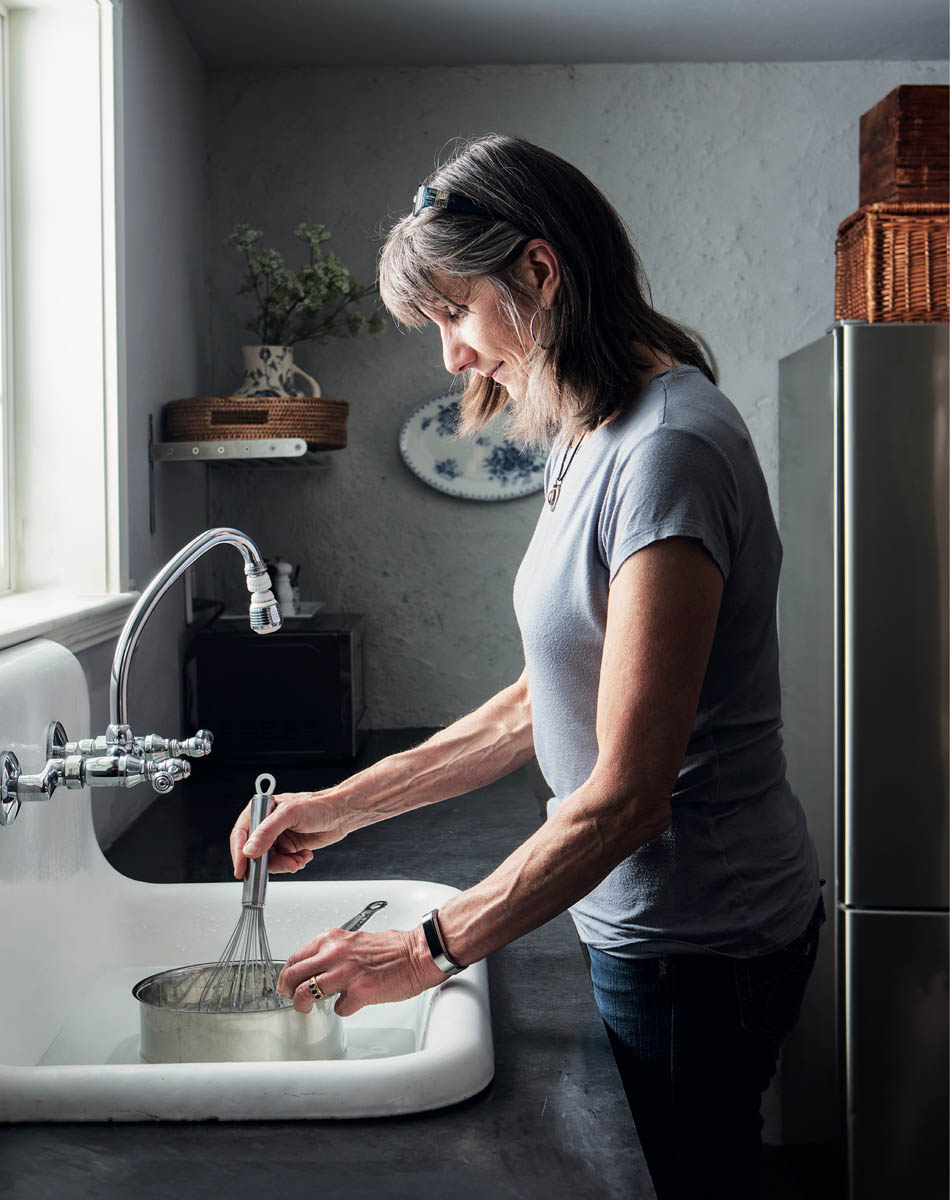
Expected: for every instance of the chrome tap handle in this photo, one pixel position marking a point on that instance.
(164, 773)
(16, 787)
(198, 746)
(154, 746)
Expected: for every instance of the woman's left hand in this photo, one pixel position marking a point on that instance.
(363, 968)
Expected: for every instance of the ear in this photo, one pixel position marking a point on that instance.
(541, 270)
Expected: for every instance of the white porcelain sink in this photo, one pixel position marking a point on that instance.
(76, 935)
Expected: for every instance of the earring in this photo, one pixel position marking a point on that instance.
(531, 332)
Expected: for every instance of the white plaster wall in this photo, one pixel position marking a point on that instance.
(162, 228)
(733, 179)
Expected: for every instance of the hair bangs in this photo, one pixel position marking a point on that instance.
(406, 286)
(415, 273)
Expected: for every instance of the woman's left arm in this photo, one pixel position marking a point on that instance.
(661, 617)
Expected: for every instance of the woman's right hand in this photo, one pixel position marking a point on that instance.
(300, 823)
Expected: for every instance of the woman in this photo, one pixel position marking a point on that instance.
(650, 694)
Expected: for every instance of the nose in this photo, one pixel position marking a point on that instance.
(456, 353)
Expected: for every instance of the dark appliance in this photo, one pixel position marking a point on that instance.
(296, 695)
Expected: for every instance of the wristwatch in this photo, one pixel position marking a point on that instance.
(433, 935)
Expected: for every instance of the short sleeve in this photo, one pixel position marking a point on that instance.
(675, 482)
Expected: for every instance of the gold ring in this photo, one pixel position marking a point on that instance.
(315, 989)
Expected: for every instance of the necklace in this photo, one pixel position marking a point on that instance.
(566, 461)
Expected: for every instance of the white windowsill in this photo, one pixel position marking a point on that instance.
(76, 622)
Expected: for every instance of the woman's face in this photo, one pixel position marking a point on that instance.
(478, 335)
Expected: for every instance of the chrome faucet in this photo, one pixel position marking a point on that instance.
(264, 611)
(117, 758)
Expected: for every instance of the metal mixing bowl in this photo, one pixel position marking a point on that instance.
(173, 1029)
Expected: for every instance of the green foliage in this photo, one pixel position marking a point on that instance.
(311, 304)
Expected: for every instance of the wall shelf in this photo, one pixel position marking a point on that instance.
(273, 453)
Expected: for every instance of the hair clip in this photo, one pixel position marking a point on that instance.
(430, 197)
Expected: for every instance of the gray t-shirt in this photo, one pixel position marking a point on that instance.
(736, 872)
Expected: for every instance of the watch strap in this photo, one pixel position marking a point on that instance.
(433, 936)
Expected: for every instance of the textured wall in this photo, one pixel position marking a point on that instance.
(733, 179)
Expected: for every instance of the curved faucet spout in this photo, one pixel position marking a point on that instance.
(264, 610)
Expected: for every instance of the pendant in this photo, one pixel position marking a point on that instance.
(553, 494)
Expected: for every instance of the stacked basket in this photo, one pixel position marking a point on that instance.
(892, 253)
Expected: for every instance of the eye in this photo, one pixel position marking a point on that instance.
(447, 313)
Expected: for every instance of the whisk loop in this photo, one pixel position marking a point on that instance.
(245, 976)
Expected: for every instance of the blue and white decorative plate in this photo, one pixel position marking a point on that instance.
(484, 467)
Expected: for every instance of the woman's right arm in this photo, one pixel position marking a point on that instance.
(476, 750)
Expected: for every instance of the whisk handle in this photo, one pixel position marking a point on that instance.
(255, 881)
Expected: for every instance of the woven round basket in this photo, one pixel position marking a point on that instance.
(320, 422)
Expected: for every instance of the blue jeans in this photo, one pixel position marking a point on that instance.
(696, 1039)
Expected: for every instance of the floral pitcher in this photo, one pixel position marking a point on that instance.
(270, 371)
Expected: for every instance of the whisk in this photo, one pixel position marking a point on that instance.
(245, 976)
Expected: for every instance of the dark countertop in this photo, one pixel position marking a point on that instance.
(553, 1120)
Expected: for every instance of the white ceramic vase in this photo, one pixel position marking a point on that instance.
(270, 371)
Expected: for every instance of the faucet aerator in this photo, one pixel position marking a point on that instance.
(265, 615)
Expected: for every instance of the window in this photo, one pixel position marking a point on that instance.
(64, 553)
(5, 423)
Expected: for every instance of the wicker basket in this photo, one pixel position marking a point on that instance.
(904, 151)
(892, 264)
(320, 422)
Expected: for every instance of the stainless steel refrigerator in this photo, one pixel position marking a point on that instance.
(863, 512)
